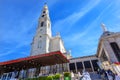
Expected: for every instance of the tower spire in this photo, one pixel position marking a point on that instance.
(41, 40)
(45, 5)
(103, 27)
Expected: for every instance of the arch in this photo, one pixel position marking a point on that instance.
(42, 23)
(40, 44)
(116, 50)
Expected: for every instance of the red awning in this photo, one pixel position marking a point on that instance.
(34, 61)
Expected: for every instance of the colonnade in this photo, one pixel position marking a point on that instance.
(79, 66)
(34, 72)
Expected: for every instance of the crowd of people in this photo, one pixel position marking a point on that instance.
(84, 76)
(108, 75)
(102, 74)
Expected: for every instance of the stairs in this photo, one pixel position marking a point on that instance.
(95, 76)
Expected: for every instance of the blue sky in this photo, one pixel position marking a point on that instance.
(78, 22)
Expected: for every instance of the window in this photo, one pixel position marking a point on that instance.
(79, 65)
(87, 66)
(95, 65)
(40, 44)
(116, 50)
(42, 23)
(43, 15)
(43, 11)
(40, 29)
(72, 66)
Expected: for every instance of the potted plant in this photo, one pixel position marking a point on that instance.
(57, 76)
(49, 78)
(67, 76)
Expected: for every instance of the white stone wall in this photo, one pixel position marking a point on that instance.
(62, 48)
(43, 41)
(57, 45)
(83, 59)
(104, 44)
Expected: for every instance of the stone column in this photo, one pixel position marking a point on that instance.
(68, 67)
(75, 67)
(42, 70)
(27, 73)
(50, 70)
(62, 68)
(91, 65)
(109, 52)
(83, 65)
(37, 71)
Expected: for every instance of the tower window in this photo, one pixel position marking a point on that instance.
(43, 11)
(43, 15)
(42, 23)
(40, 29)
(40, 44)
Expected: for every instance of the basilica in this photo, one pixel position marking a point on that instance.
(48, 54)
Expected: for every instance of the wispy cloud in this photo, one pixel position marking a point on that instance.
(70, 20)
(89, 37)
(21, 32)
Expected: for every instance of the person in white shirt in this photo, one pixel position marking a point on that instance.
(86, 75)
(72, 75)
(117, 77)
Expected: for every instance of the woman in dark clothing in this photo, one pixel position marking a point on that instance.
(111, 74)
(105, 75)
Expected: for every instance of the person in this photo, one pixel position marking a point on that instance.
(86, 75)
(40, 74)
(72, 75)
(111, 75)
(79, 75)
(105, 77)
(117, 77)
(99, 73)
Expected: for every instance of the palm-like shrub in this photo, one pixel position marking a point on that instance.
(42, 78)
(57, 76)
(49, 78)
(67, 74)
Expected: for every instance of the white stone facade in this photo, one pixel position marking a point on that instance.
(105, 45)
(43, 42)
(89, 59)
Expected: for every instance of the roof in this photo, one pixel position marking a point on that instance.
(83, 57)
(46, 59)
(107, 33)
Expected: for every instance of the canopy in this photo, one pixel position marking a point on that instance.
(46, 59)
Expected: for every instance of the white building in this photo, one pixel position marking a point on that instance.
(43, 42)
(106, 57)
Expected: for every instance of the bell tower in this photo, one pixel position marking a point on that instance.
(41, 40)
